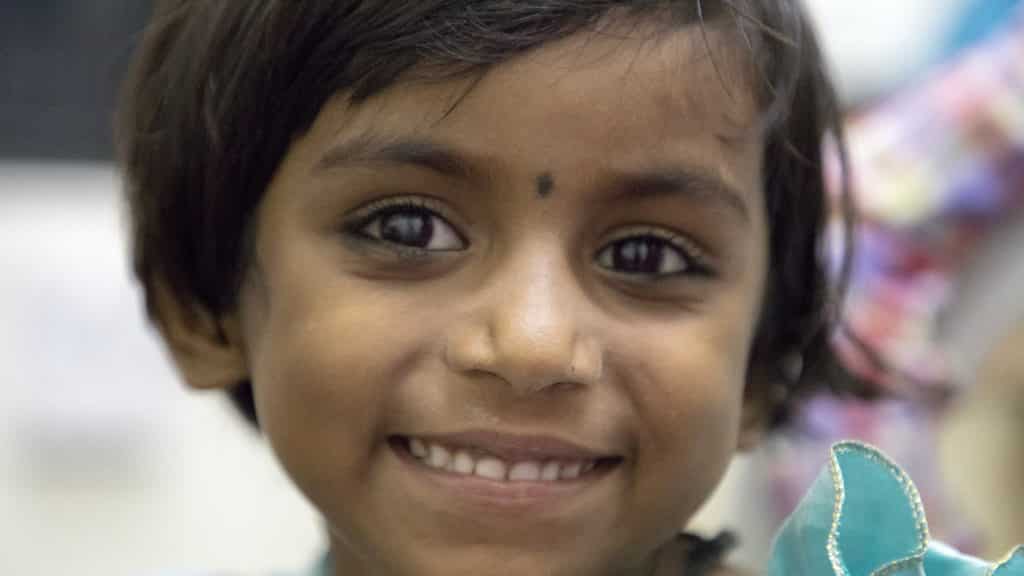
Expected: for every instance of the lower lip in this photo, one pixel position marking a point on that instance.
(509, 496)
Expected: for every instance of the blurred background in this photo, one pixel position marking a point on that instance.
(109, 467)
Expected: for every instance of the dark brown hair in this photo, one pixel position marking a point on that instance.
(220, 90)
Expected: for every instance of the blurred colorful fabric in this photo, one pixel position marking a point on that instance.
(936, 168)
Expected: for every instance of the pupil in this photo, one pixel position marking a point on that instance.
(407, 227)
(641, 256)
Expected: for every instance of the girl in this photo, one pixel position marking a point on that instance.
(504, 284)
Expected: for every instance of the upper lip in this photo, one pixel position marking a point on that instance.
(517, 447)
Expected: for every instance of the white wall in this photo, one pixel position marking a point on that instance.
(874, 45)
(107, 465)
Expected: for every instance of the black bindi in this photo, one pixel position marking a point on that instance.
(545, 184)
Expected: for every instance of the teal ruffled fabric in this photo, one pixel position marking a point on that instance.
(863, 517)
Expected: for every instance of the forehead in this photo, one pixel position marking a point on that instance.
(690, 76)
(623, 91)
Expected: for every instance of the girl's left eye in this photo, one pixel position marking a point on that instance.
(649, 255)
(411, 226)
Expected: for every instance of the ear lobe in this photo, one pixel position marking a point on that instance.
(207, 350)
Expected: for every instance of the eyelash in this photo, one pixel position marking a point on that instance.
(380, 209)
(695, 259)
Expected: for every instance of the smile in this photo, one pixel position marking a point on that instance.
(505, 459)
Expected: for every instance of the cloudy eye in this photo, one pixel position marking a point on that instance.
(413, 227)
(642, 256)
(650, 254)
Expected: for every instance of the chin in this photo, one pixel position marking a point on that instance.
(486, 561)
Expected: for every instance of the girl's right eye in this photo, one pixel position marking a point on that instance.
(407, 225)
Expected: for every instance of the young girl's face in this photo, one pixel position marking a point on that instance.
(551, 291)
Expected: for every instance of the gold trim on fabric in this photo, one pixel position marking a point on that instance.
(839, 488)
(1014, 553)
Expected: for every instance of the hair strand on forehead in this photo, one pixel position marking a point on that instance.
(764, 28)
(711, 54)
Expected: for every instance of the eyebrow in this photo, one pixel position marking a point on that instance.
(695, 182)
(369, 150)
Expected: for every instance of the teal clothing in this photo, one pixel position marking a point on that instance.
(863, 517)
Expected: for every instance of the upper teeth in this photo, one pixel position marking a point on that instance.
(493, 468)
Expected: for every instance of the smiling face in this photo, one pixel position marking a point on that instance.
(513, 338)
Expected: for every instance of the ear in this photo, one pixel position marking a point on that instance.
(207, 350)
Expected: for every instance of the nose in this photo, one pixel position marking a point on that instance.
(528, 328)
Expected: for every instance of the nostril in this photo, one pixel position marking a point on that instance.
(562, 387)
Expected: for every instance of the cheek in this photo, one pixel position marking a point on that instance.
(693, 388)
(687, 389)
(693, 367)
(321, 383)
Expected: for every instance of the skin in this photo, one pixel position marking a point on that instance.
(519, 325)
